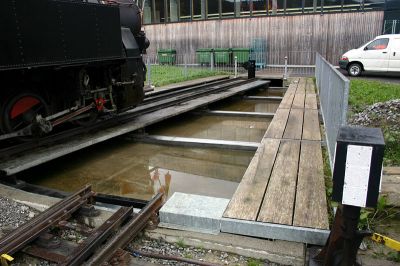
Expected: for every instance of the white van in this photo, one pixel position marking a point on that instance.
(379, 55)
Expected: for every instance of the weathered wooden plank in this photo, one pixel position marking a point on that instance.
(311, 130)
(310, 87)
(298, 101)
(311, 101)
(278, 124)
(247, 199)
(310, 207)
(287, 101)
(279, 198)
(294, 124)
(293, 86)
(301, 88)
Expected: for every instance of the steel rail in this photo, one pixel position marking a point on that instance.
(121, 118)
(180, 88)
(84, 250)
(164, 103)
(127, 233)
(161, 94)
(19, 238)
(33, 232)
(43, 215)
(169, 257)
(99, 197)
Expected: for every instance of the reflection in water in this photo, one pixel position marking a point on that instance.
(239, 105)
(141, 170)
(261, 106)
(214, 127)
(268, 93)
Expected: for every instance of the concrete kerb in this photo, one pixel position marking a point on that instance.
(282, 252)
(204, 214)
(193, 212)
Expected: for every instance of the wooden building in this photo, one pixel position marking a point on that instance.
(293, 28)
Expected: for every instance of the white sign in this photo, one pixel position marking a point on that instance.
(356, 177)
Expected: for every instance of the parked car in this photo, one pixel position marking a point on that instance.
(379, 55)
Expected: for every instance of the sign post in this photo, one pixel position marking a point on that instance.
(356, 184)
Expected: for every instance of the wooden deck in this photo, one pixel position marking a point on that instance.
(284, 182)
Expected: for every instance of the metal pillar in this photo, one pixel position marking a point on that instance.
(285, 75)
(236, 66)
(148, 71)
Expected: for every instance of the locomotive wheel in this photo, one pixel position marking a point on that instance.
(21, 110)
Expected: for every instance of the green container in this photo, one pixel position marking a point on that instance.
(166, 56)
(204, 56)
(242, 54)
(222, 55)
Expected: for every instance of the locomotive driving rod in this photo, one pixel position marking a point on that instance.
(43, 125)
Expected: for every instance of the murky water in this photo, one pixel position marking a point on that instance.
(139, 171)
(136, 170)
(214, 127)
(240, 105)
(267, 93)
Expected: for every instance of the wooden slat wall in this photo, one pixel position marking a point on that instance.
(298, 37)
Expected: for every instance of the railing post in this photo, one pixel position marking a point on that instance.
(186, 68)
(236, 66)
(286, 65)
(345, 102)
(212, 62)
(148, 71)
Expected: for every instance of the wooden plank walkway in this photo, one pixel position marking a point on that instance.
(284, 183)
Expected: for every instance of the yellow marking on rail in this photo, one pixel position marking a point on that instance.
(390, 243)
(7, 257)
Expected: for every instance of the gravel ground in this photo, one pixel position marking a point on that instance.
(386, 114)
(179, 249)
(13, 214)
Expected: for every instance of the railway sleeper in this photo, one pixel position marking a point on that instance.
(40, 237)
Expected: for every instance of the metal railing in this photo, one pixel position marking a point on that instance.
(391, 27)
(171, 67)
(333, 89)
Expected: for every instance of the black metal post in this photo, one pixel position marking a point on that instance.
(351, 216)
(251, 69)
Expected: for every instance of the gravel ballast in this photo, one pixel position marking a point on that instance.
(14, 214)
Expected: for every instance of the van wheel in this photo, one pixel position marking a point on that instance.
(354, 70)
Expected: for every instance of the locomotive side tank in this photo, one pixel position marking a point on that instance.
(61, 57)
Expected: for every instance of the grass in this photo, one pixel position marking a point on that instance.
(392, 149)
(364, 93)
(254, 262)
(180, 243)
(163, 75)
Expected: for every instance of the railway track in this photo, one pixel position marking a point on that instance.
(39, 237)
(153, 101)
(154, 109)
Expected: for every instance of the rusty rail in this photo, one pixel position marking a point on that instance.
(61, 211)
(127, 232)
(29, 231)
(86, 249)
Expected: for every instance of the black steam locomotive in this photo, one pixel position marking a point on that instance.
(67, 60)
